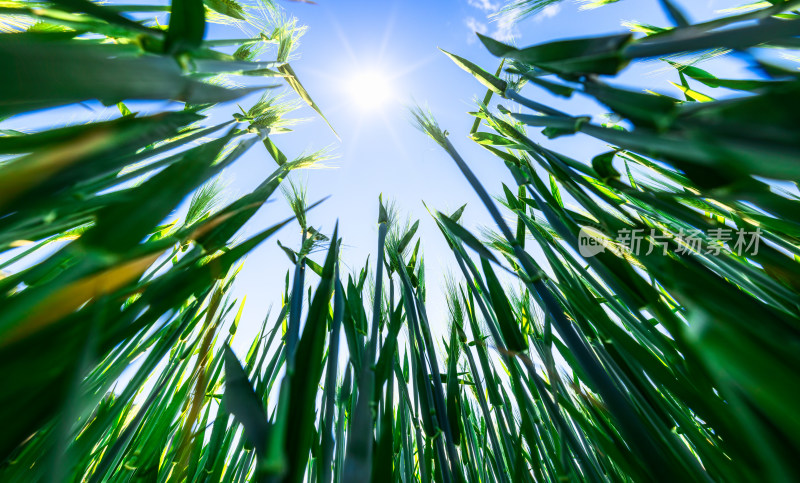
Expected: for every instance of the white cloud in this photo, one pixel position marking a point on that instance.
(549, 11)
(505, 30)
(475, 26)
(485, 5)
(504, 27)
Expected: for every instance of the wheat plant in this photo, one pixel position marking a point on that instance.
(674, 361)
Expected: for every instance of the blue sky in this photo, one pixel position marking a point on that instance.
(380, 151)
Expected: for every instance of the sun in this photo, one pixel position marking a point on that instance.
(370, 90)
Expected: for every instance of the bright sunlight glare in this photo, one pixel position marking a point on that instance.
(370, 90)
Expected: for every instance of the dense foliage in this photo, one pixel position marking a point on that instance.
(673, 360)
